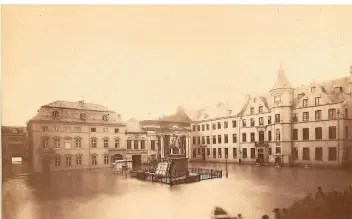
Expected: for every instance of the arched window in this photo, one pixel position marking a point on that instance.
(57, 161)
(106, 158)
(83, 116)
(106, 142)
(57, 143)
(105, 117)
(277, 135)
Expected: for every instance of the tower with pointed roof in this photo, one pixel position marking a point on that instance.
(282, 96)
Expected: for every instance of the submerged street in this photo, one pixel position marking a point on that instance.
(95, 194)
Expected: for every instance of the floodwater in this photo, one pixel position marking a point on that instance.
(250, 190)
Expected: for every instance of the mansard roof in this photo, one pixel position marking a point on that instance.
(80, 105)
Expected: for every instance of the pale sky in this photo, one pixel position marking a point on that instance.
(137, 60)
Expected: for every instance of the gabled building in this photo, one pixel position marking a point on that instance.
(308, 125)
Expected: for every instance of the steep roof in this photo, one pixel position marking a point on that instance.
(78, 105)
(281, 81)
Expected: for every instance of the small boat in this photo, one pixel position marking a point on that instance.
(220, 213)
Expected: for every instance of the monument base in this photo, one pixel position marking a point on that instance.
(179, 164)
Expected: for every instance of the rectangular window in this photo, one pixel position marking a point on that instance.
(214, 126)
(56, 128)
(318, 115)
(317, 101)
(117, 142)
(129, 144)
(198, 151)
(277, 118)
(143, 144)
(94, 142)
(78, 143)
(269, 120)
(332, 154)
(56, 143)
(261, 121)
(305, 116)
(219, 125)
(295, 153)
(226, 138)
(194, 152)
(214, 139)
(252, 122)
(319, 153)
(106, 143)
(234, 123)
(198, 128)
(105, 129)
(194, 128)
(45, 143)
(277, 99)
(226, 125)
(295, 134)
(234, 153)
(117, 130)
(194, 140)
(305, 133)
(278, 150)
(214, 152)
(269, 136)
(244, 137)
(135, 144)
(305, 103)
(94, 160)
(78, 160)
(152, 144)
(252, 137)
(234, 138)
(312, 89)
(332, 132)
(306, 154)
(219, 153)
(198, 138)
(226, 153)
(78, 129)
(318, 133)
(244, 153)
(93, 129)
(68, 161)
(244, 123)
(44, 128)
(208, 139)
(203, 127)
(207, 126)
(203, 139)
(208, 152)
(106, 159)
(219, 139)
(252, 153)
(252, 110)
(57, 161)
(332, 113)
(260, 109)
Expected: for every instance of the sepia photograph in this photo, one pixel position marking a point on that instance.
(176, 111)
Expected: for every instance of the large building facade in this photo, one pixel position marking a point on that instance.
(309, 125)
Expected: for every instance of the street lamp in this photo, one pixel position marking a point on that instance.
(227, 173)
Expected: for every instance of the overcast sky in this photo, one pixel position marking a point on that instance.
(137, 60)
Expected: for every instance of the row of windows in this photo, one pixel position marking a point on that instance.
(217, 152)
(206, 139)
(75, 129)
(78, 160)
(318, 133)
(142, 143)
(82, 116)
(318, 154)
(77, 143)
(218, 125)
(318, 115)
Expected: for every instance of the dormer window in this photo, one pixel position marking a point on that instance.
(312, 89)
(338, 90)
(14, 131)
(105, 117)
(261, 109)
(56, 114)
(83, 116)
(277, 99)
(229, 112)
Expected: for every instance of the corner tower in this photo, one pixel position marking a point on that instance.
(281, 111)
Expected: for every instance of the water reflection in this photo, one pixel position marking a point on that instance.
(100, 194)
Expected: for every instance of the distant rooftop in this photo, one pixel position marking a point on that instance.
(81, 105)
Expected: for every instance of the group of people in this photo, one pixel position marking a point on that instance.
(331, 205)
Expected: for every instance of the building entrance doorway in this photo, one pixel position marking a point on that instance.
(136, 162)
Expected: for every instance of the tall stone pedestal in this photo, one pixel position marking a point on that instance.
(180, 164)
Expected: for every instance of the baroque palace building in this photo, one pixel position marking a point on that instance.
(308, 125)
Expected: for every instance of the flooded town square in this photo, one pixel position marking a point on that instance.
(94, 194)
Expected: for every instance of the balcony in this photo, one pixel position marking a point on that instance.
(261, 144)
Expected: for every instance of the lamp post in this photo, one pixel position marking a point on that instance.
(227, 173)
